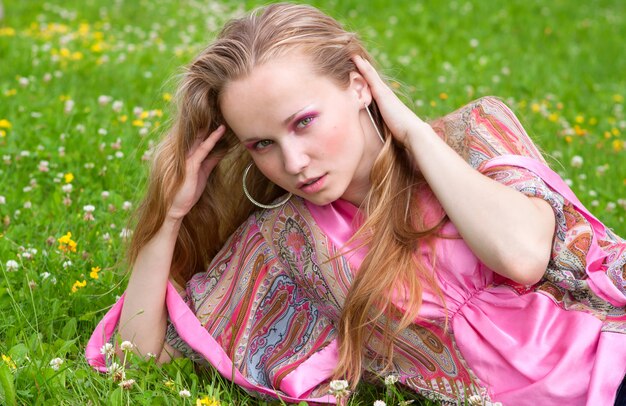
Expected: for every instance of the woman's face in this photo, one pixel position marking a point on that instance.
(304, 132)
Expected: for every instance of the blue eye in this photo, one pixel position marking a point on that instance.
(262, 144)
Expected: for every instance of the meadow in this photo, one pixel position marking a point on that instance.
(85, 91)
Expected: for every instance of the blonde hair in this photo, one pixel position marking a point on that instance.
(393, 228)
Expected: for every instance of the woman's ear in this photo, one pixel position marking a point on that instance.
(359, 85)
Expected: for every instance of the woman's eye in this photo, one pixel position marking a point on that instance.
(262, 144)
(304, 122)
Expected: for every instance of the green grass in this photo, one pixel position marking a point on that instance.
(559, 65)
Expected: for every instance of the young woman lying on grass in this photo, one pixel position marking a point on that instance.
(319, 229)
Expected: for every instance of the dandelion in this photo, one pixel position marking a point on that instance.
(66, 244)
(206, 401)
(68, 177)
(126, 346)
(94, 272)
(78, 285)
(9, 361)
(184, 393)
(56, 363)
(577, 161)
(127, 384)
(107, 350)
(12, 265)
(5, 124)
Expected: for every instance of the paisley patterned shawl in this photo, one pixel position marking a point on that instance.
(265, 311)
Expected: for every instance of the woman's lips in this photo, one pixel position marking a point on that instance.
(313, 185)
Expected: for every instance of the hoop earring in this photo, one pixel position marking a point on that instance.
(261, 205)
(367, 108)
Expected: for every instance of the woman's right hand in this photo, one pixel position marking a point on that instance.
(197, 170)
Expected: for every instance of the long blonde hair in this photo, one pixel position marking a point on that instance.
(393, 228)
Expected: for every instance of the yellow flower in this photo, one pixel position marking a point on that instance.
(167, 96)
(66, 244)
(206, 401)
(443, 96)
(76, 56)
(10, 92)
(144, 114)
(553, 117)
(535, 107)
(3, 133)
(94, 272)
(7, 360)
(580, 119)
(568, 139)
(615, 131)
(78, 284)
(138, 123)
(618, 145)
(4, 123)
(97, 47)
(593, 121)
(618, 98)
(69, 177)
(123, 118)
(7, 32)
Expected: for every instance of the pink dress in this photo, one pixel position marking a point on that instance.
(264, 313)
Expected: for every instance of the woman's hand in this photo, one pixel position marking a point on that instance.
(399, 118)
(197, 171)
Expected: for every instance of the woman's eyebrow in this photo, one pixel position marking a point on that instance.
(288, 119)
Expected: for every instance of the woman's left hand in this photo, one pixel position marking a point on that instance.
(400, 120)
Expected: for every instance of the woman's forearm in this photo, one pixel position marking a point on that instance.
(509, 232)
(144, 315)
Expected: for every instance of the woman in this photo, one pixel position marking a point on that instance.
(446, 254)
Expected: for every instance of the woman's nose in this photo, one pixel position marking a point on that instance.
(295, 158)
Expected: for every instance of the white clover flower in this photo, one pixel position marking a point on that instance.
(184, 393)
(143, 131)
(28, 205)
(126, 205)
(150, 355)
(12, 265)
(339, 388)
(67, 188)
(104, 100)
(379, 403)
(577, 161)
(106, 236)
(44, 275)
(117, 106)
(137, 110)
(3, 200)
(67, 264)
(27, 189)
(56, 363)
(23, 81)
(127, 383)
(474, 43)
(89, 208)
(69, 106)
(119, 154)
(114, 367)
(107, 350)
(117, 372)
(125, 233)
(80, 128)
(47, 77)
(126, 345)
(391, 380)
(102, 131)
(610, 206)
(105, 194)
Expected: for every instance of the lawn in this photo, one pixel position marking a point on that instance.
(85, 87)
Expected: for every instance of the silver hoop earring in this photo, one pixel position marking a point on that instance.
(367, 108)
(261, 205)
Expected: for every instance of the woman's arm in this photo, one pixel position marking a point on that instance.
(508, 231)
(144, 317)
